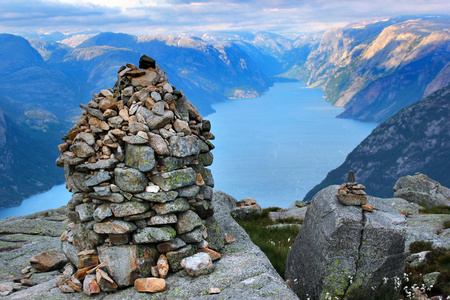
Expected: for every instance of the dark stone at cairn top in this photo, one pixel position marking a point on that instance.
(351, 177)
(146, 62)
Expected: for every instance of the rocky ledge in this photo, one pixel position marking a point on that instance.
(243, 272)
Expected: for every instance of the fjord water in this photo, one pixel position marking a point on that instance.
(277, 147)
(273, 148)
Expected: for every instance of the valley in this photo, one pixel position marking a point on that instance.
(371, 69)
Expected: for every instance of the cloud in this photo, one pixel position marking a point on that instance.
(148, 16)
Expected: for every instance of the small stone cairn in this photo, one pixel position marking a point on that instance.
(135, 163)
(352, 193)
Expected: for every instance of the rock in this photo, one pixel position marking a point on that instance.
(70, 251)
(154, 235)
(160, 197)
(158, 107)
(184, 146)
(85, 211)
(105, 282)
(163, 266)
(296, 213)
(187, 221)
(82, 149)
(422, 190)
(162, 219)
(430, 279)
(243, 268)
(98, 178)
(102, 212)
(182, 126)
(114, 227)
(173, 163)
(198, 264)
(428, 228)
(243, 212)
(149, 78)
(146, 62)
(129, 208)
(194, 236)
(171, 245)
(66, 289)
(401, 205)
(206, 158)
(298, 204)
(86, 137)
(151, 285)
(179, 205)
(189, 191)
(175, 257)
(135, 127)
(130, 180)
(229, 238)
(343, 251)
(90, 285)
(212, 254)
(90, 260)
(158, 144)
(213, 291)
(416, 259)
(175, 179)
(100, 164)
(168, 87)
(215, 237)
(134, 140)
(153, 120)
(140, 157)
(367, 207)
(126, 263)
(48, 261)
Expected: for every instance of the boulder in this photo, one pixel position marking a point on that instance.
(296, 213)
(140, 157)
(130, 180)
(245, 208)
(175, 179)
(243, 272)
(126, 263)
(343, 251)
(48, 261)
(422, 190)
(198, 264)
(151, 285)
(428, 228)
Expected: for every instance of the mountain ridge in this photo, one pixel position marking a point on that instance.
(416, 139)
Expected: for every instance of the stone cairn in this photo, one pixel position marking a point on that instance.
(352, 193)
(135, 163)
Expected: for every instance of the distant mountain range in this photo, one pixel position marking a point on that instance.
(416, 139)
(373, 69)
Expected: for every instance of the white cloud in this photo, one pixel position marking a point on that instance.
(146, 16)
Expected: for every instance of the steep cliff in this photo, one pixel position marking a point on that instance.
(374, 69)
(416, 139)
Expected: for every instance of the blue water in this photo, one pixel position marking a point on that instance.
(273, 148)
(54, 198)
(277, 147)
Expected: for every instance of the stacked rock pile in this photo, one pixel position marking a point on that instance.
(352, 193)
(246, 207)
(135, 163)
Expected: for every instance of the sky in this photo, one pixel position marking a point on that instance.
(141, 17)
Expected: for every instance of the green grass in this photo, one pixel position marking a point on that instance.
(275, 242)
(436, 210)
